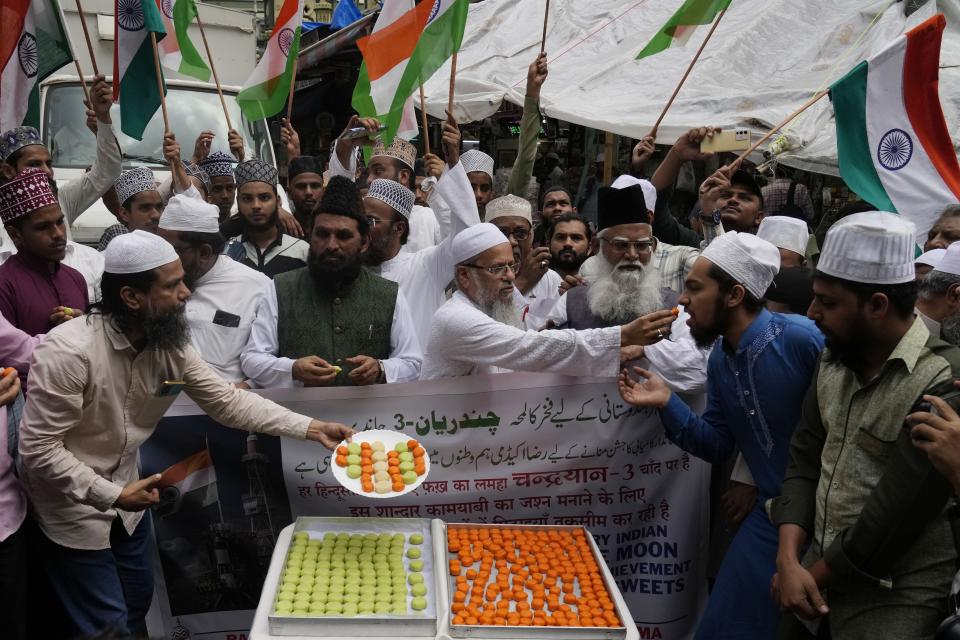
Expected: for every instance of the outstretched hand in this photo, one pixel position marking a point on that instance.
(329, 434)
(536, 76)
(652, 393)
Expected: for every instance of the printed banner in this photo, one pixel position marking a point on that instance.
(518, 448)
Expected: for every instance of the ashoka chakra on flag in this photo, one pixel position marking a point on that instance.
(27, 54)
(895, 149)
(130, 15)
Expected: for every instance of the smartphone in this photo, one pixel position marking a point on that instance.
(169, 388)
(361, 132)
(732, 140)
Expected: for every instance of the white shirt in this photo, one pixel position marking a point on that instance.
(221, 312)
(678, 360)
(86, 260)
(542, 298)
(265, 368)
(424, 229)
(76, 196)
(423, 276)
(466, 341)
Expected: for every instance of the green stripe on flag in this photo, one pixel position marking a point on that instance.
(849, 96)
(139, 94)
(191, 63)
(267, 99)
(691, 13)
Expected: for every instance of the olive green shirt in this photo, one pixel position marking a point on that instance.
(526, 148)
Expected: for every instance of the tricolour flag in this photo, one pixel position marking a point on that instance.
(135, 84)
(179, 54)
(682, 24)
(192, 481)
(265, 92)
(33, 45)
(401, 54)
(893, 145)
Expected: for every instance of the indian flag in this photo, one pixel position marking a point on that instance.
(33, 44)
(135, 84)
(682, 24)
(265, 92)
(179, 54)
(404, 53)
(893, 145)
(191, 481)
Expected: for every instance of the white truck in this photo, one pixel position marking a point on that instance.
(192, 106)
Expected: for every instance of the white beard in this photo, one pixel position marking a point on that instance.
(505, 312)
(617, 295)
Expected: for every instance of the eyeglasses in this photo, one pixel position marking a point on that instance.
(519, 234)
(496, 270)
(622, 246)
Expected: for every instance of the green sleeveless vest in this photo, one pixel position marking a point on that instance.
(312, 322)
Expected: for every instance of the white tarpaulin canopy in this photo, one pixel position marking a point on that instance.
(766, 58)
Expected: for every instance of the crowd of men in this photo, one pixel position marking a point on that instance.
(826, 369)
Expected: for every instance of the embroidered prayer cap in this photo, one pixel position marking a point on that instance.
(873, 247)
(785, 232)
(649, 191)
(949, 261)
(134, 181)
(195, 171)
(26, 192)
(509, 205)
(934, 257)
(751, 261)
(255, 170)
(136, 252)
(218, 164)
(394, 194)
(621, 206)
(16, 139)
(475, 240)
(304, 164)
(400, 149)
(184, 213)
(476, 160)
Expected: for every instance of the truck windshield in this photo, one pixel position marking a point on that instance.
(191, 111)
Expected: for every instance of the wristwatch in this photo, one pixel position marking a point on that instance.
(711, 218)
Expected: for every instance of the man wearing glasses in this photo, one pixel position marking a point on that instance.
(479, 330)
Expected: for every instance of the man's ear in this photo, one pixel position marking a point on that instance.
(132, 298)
(736, 295)
(123, 216)
(7, 170)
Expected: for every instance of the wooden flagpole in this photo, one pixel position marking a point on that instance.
(423, 116)
(809, 103)
(293, 86)
(213, 69)
(696, 56)
(86, 35)
(543, 39)
(83, 83)
(453, 81)
(163, 99)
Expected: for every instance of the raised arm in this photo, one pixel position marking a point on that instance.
(529, 128)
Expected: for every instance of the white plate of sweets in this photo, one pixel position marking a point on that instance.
(380, 464)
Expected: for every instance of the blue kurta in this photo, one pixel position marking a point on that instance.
(754, 397)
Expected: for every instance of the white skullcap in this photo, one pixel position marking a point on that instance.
(649, 191)
(949, 261)
(394, 194)
(475, 160)
(475, 240)
(933, 258)
(509, 205)
(873, 247)
(136, 252)
(751, 261)
(184, 213)
(785, 232)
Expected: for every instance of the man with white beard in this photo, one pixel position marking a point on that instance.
(478, 330)
(626, 284)
(938, 300)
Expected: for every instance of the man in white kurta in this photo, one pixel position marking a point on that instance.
(224, 294)
(477, 330)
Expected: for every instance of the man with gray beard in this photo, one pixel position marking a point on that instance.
(478, 330)
(938, 300)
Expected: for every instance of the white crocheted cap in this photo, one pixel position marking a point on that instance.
(474, 160)
(184, 213)
(949, 261)
(134, 181)
(136, 252)
(785, 232)
(872, 247)
(649, 191)
(475, 240)
(934, 257)
(394, 194)
(509, 205)
(751, 261)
